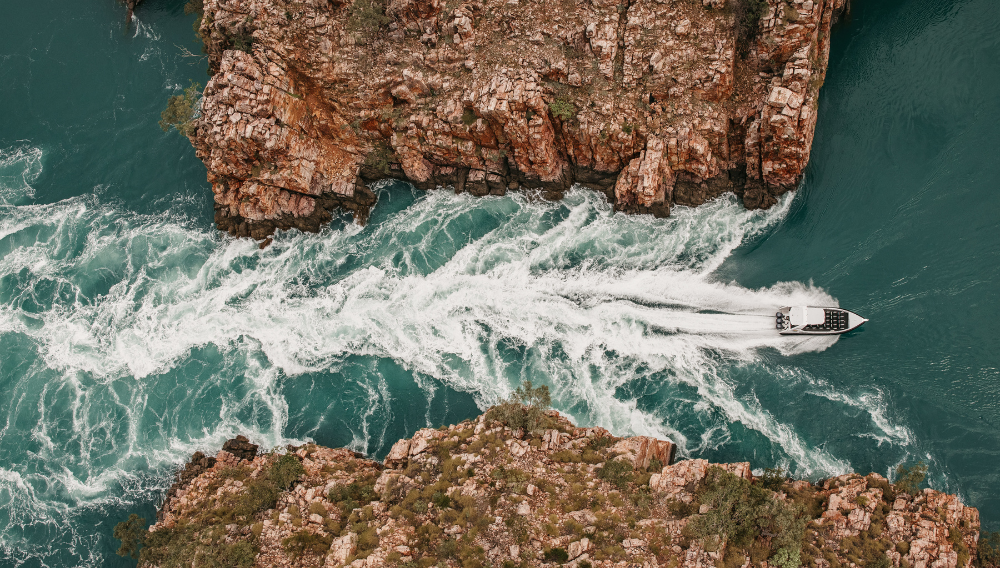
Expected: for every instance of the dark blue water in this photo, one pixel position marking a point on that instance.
(134, 334)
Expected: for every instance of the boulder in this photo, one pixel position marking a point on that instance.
(641, 450)
(342, 548)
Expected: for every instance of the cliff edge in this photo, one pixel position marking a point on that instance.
(653, 102)
(479, 494)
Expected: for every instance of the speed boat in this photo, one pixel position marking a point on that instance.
(807, 320)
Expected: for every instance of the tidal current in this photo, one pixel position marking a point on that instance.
(132, 333)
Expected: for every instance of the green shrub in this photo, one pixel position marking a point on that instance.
(566, 456)
(742, 513)
(598, 443)
(772, 479)
(367, 542)
(130, 532)
(200, 541)
(790, 15)
(642, 498)
(563, 109)
(655, 466)
(525, 409)
(240, 39)
(353, 495)
(195, 545)
(381, 158)
(955, 538)
(469, 117)
(679, 509)
(196, 7)
(510, 475)
(556, 555)
(451, 470)
(988, 552)
(263, 493)
(441, 500)
(748, 15)
(887, 492)
(285, 471)
(786, 558)
(182, 110)
(304, 542)
(908, 479)
(448, 548)
(880, 562)
(366, 17)
(617, 473)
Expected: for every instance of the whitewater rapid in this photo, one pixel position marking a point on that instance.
(135, 340)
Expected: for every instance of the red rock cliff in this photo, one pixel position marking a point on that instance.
(654, 102)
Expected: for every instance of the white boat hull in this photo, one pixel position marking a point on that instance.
(808, 320)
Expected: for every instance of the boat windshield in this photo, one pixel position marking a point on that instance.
(802, 315)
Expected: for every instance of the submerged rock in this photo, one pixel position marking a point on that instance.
(458, 497)
(653, 102)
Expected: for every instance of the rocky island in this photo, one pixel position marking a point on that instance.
(653, 102)
(485, 494)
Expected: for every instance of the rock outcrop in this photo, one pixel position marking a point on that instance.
(480, 494)
(653, 102)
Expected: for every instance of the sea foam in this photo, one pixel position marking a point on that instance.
(148, 338)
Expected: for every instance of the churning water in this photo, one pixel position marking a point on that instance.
(133, 334)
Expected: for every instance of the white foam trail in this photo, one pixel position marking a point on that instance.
(568, 294)
(645, 294)
(874, 404)
(19, 168)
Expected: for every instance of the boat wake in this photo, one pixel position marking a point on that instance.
(142, 338)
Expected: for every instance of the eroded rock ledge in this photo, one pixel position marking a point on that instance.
(653, 102)
(477, 494)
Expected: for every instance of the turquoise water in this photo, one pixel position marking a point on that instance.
(134, 334)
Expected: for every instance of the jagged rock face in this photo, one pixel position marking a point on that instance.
(650, 101)
(241, 448)
(480, 494)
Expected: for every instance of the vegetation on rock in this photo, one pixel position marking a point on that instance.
(563, 109)
(521, 486)
(988, 553)
(182, 110)
(197, 7)
(381, 159)
(525, 409)
(908, 479)
(200, 539)
(240, 39)
(751, 521)
(748, 15)
(366, 17)
(130, 534)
